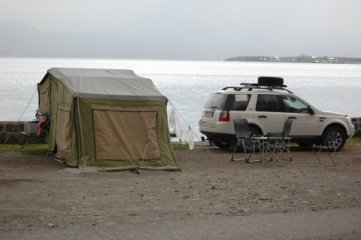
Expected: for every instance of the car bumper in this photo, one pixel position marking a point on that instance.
(353, 131)
(220, 137)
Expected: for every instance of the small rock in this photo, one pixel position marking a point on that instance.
(51, 225)
(242, 211)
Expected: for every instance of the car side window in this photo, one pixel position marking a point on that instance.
(269, 103)
(293, 105)
(240, 102)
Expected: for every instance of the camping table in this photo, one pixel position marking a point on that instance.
(271, 149)
(263, 141)
(276, 145)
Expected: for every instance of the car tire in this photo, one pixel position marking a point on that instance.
(335, 137)
(223, 145)
(255, 131)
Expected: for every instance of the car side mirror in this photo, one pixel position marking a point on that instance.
(311, 111)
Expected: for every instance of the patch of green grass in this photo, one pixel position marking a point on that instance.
(28, 148)
(354, 142)
(357, 134)
(179, 146)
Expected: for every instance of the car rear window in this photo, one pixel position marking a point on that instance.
(219, 101)
(216, 101)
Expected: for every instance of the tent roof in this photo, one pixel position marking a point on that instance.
(106, 83)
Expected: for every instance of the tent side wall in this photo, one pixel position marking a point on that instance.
(126, 127)
(56, 100)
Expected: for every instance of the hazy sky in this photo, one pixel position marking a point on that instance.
(219, 28)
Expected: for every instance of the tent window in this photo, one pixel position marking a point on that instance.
(63, 137)
(126, 135)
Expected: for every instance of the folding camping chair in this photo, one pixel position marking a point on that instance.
(279, 143)
(329, 147)
(244, 141)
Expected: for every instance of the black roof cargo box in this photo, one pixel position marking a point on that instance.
(270, 81)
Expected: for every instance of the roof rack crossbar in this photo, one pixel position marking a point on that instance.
(251, 86)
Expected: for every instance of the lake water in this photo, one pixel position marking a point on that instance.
(187, 84)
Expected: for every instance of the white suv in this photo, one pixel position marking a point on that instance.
(266, 105)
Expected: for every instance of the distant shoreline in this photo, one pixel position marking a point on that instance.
(271, 59)
(297, 59)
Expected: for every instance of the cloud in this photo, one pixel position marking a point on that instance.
(197, 28)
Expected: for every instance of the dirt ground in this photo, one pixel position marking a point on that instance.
(38, 192)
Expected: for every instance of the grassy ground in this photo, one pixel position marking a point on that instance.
(28, 148)
(355, 140)
(42, 148)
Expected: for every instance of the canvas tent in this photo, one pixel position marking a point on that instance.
(106, 117)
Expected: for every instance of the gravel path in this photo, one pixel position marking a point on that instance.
(38, 194)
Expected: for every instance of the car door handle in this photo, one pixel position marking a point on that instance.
(292, 117)
(262, 116)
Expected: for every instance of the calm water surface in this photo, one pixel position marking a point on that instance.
(187, 84)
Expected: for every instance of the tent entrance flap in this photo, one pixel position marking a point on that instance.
(125, 134)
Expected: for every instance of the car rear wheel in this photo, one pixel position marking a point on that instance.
(254, 131)
(334, 137)
(223, 145)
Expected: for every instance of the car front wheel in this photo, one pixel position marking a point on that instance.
(334, 137)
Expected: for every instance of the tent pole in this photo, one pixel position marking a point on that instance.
(135, 169)
(183, 119)
(81, 133)
(22, 114)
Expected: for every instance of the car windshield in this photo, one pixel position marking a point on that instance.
(294, 105)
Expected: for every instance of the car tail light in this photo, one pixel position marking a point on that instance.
(224, 116)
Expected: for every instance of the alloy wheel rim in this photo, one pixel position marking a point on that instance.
(334, 139)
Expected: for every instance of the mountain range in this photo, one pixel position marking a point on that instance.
(21, 40)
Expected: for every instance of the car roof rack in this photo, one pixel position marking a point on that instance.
(265, 83)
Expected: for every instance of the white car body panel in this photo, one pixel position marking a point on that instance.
(308, 121)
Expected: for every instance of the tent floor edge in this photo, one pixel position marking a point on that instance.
(115, 169)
